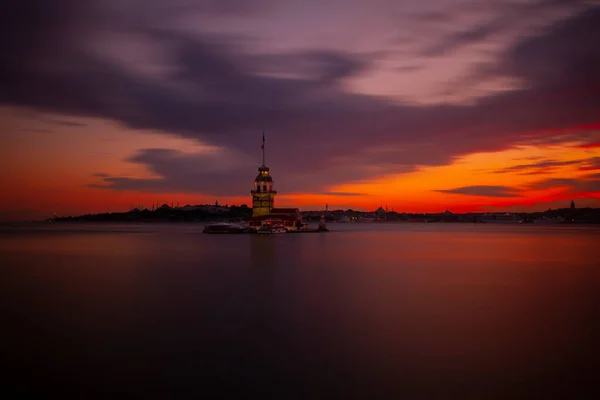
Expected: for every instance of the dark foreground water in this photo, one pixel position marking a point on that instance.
(365, 311)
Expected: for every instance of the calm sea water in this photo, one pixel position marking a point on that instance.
(365, 311)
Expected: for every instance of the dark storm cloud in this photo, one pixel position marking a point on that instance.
(509, 15)
(553, 183)
(459, 39)
(485, 191)
(182, 172)
(319, 67)
(318, 134)
(588, 184)
(591, 164)
(561, 63)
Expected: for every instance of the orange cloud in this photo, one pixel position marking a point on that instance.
(52, 173)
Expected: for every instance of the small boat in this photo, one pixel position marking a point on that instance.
(271, 228)
(227, 227)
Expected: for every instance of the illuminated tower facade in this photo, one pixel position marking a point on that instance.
(263, 195)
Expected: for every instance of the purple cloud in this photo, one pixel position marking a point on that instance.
(588, 184)
(482, 190)
(539, 167)
(225, 92)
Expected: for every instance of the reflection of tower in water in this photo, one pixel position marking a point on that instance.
(262, 250)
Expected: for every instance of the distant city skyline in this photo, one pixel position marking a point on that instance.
(422, 106)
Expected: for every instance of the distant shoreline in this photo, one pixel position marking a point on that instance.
(204, 214)
(209, 214)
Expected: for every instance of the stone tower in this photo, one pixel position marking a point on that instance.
(263, 195)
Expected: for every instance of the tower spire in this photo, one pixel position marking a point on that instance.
(263, 149)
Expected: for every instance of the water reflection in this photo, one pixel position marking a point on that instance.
(462, 311)
(262, 250)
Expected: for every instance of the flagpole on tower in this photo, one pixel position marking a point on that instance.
(263, 149)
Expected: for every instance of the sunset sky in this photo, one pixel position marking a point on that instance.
(420, 105)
